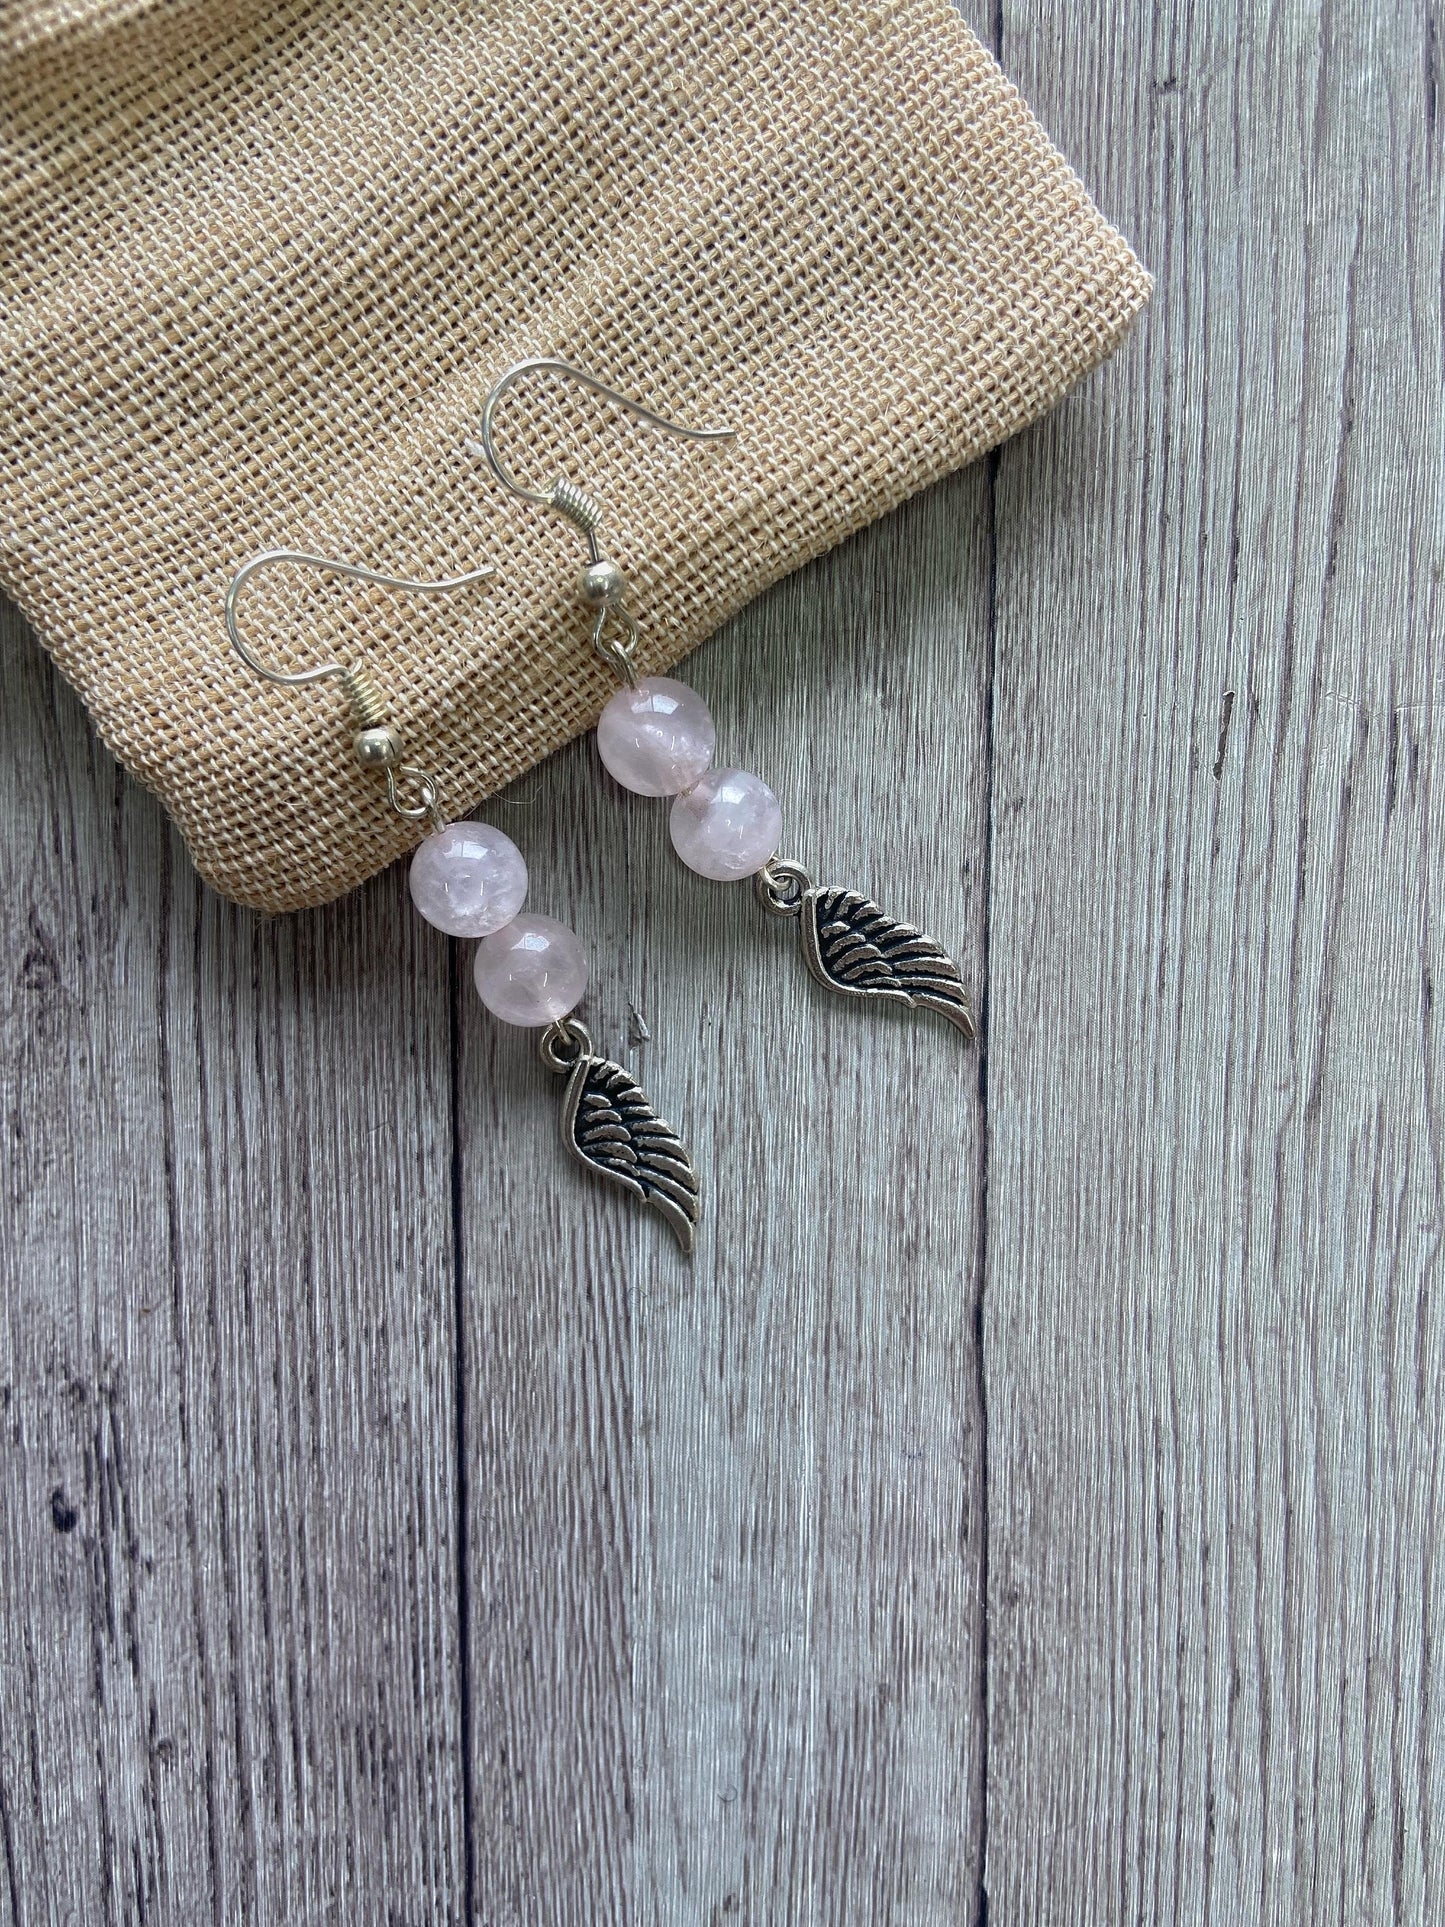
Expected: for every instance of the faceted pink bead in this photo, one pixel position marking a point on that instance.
(468, 879)
(531, 973)
(658, 738)
(726, 826)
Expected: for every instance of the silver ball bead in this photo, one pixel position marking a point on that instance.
(377, 748)
(601, 583)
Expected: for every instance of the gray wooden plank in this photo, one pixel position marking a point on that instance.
(1213, 1344)
(726, 1530)
(227, 1356)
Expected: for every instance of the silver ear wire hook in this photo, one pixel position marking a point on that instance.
(602, 583)
(376, 745)
(546, 365)
(270, 557)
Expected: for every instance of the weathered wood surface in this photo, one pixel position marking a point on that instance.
(1032, 1488)
(1213, 1340)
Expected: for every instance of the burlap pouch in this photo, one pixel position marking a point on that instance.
(262, 262)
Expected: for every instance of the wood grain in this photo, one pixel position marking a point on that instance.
(1026, 1508)
(1213, 1349)
(227, 1357)
(727, 1527)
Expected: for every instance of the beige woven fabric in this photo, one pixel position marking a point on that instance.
(262, 262)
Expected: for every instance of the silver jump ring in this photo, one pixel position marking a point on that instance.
(564, 1044)
(415, 812)
(616, 651)
(780, 887)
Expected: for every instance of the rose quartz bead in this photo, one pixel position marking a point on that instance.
(658, 738)
(726, 826)
(531, 973)
(468, 879)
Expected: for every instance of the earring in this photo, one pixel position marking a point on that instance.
(470, 880)
(657, 738)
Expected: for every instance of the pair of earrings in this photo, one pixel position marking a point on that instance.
(656, 738)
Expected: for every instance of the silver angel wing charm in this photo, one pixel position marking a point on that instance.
(609, 1125)
(850, 945)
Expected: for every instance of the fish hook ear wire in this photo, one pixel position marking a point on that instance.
(376, 744)
(602, 583)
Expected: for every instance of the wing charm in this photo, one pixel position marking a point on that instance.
(850, 945)
(609, 1125)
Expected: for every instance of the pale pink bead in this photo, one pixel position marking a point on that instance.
(658, 738)
(531, 973)
(468, 879)
(726, 826)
